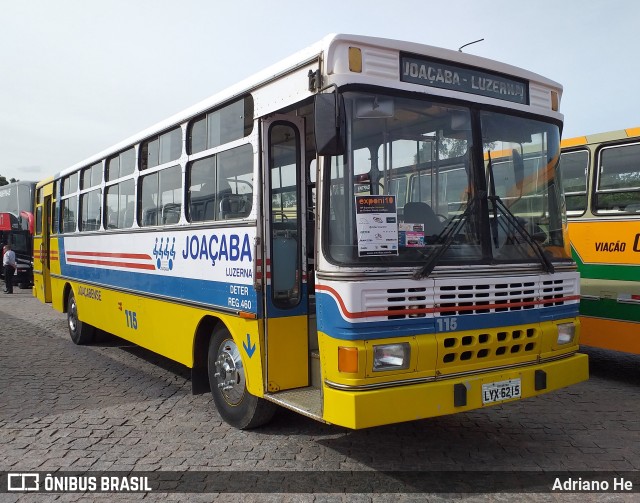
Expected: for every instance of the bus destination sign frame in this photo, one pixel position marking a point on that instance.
(431, 72)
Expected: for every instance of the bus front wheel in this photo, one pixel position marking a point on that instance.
(81, 333)
(227, 379)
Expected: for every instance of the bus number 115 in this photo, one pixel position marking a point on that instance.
(447, 324)
(132, 320)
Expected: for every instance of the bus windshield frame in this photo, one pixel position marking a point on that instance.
(435, 159)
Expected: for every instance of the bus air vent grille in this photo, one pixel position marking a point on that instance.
(482, 298)
(459, 297)
(556, 289)
(458, 350)
(403, 299)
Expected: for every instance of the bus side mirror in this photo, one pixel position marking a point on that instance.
(329, 124)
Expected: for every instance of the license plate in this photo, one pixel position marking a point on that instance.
(502, 390)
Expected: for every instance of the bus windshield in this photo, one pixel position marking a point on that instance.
(16, 197)
(423, 153)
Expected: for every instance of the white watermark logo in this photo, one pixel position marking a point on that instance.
(23, 482)
(61, 483)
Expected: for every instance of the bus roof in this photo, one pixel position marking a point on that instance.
(326, 50)
(619, 134)
(19, 182)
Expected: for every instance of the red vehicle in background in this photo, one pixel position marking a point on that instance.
(17, 227)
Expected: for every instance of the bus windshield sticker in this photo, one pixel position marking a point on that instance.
(411, 235)
(434, 73)
(377, 224)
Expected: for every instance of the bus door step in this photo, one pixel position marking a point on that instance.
(314, 365)
(306, 401)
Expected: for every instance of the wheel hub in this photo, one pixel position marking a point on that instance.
(72, 318)
(230, 372)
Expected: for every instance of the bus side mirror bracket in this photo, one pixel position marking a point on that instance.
(330, 131)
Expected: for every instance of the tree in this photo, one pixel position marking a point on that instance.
(448, 148)
(3, 181)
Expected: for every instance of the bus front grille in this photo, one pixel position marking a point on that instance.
(489, 346)
(463, 297)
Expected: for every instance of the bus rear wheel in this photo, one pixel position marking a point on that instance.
(81, 333)
(227, 379)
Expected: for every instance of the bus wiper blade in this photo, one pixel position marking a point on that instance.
(548, 265)
(446, 237)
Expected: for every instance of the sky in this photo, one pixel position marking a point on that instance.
(78, 76)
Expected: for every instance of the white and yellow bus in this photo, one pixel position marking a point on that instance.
(264, 239)
(601, 178)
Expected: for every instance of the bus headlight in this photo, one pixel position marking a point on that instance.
(566, 333)
(391, 356)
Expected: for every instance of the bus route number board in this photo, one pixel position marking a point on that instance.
(501, 390)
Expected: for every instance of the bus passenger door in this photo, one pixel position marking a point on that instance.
(285, 293)
(41, 248)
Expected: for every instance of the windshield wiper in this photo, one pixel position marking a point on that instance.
(529, 239)
(446, 237)
(495, 199)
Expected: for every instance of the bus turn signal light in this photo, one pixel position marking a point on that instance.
(355, 59)
(347, 359)
(555, 101)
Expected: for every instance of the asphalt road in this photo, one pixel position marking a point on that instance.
(115, 408)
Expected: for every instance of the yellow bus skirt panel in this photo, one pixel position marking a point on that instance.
(57, 293)
(610, 334)
(363, 409)
(166, 328)
(287, 353)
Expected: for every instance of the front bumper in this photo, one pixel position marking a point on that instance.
(364, 409)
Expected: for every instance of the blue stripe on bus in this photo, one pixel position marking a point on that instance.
(213, 293)
(332, 323)
(301, 308)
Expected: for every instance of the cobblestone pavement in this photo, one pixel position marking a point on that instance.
(116, 407)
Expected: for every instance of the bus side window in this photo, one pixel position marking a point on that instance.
(171, 213)
(129, 215)
(573, 167)
(235, 176)
(234, 206)
(618, 188)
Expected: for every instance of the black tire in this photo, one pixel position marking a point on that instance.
(81, 333)
(235, 404)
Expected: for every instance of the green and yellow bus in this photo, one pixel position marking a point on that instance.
(262, 238)
(601, 178)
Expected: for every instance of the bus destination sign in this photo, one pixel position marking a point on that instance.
(434, 73)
